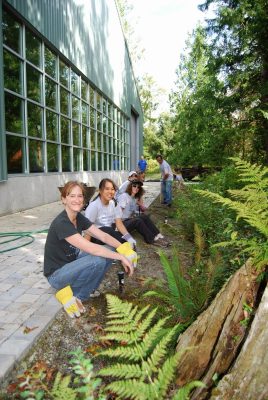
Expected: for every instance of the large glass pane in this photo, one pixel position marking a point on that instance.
(65, 130)
(99, 141)
(84, 113)
(110, 129)
(84, 90)
(98, 101)
(99, 124)
(99, 161)
(51, 126)
(105, 161)
(76, 134)
(34, 120)
(110, 141)
(75, 83)
(85, 131)
(12, 72)
(75, 108)
(36, 156)
(105, 143)
(13, 113)
(52, 157)
(104, 123)
(64, 101)
(33, 83)
(15, 151)
(110, 110)
(50, 63)
(115, 131)
(33, 48)
(11, 32)
(77, 159)
(86, 160)
(66, 158)
(64, 74)
(50, 93)
(116, 163)
(92, 117)
(104, 102)
(93, 139)
(93, 161)
(91, 96)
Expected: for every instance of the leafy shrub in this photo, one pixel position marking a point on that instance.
(250, 203)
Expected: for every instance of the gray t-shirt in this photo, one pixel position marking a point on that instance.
(128, 205)
(166, 169)
(102, 215)
(58, 251)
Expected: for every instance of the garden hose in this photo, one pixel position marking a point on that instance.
(16, 236)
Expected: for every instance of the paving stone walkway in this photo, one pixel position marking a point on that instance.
(27, 302)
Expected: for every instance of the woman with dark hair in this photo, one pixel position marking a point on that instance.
(73, 265)
(106, 215)
(142, 223)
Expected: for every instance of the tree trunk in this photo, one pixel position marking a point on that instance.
(211, 344)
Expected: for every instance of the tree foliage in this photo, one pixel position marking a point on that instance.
(222, 87)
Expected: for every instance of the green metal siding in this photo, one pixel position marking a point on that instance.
(89, 34)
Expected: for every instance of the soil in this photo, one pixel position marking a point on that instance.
(64, 335)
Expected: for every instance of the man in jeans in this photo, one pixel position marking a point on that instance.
(166, 180)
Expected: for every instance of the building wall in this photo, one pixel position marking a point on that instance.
(88, 35)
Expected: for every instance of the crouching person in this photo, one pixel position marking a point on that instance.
(73, 265)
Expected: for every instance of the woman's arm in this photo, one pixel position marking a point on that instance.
(120, 226)
(83, 244)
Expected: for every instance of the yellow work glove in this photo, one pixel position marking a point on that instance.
(126, 250)
(67, 299)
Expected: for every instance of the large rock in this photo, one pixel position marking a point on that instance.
(214, 339)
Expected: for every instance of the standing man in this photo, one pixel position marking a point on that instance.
(142, 164)
(166, 180)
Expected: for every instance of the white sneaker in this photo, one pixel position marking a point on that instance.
(158, 236)
(95, 293)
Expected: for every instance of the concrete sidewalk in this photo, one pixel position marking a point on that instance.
(27, 302)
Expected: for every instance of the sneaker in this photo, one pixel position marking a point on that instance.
(158, 236)
(95, 293)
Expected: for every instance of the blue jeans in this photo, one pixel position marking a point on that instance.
(166, 191)
(84, 275)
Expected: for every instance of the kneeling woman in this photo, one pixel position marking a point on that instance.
(106, 214)
(142, 223)
(73, 265)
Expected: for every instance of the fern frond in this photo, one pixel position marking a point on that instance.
(151, 365)
(166, 374)
(199, 243)
(132, 389)
(184, 392)
(61, 389)
(126, 371)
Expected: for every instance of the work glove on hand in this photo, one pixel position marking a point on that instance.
(66, 298)
(130, 240)
(126, 250)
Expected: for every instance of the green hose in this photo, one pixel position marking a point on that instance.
(17, 236)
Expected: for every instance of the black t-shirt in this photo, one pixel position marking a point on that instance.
(58, 251)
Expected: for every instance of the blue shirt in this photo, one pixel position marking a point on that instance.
(142, 164)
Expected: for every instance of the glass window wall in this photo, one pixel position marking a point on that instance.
(56, 121)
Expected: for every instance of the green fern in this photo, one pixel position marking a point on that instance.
(61, 389)
(142, 369)
(186, 296)
(250, 204)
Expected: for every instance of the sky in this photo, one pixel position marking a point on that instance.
(162, 27)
